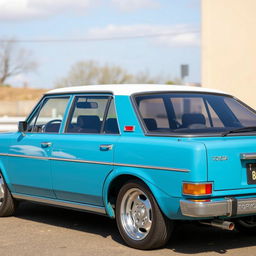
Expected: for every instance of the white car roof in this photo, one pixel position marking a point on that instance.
(129, 89)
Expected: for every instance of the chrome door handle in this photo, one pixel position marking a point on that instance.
(106, 147)
(46, 144)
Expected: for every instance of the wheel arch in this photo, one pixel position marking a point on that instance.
(119, 177)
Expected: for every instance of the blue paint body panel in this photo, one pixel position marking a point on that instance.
(74, 169)
(229, 174)
(81, 182)
(31, 176)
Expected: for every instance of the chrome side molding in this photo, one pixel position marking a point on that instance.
(98, 162)
(59, 203)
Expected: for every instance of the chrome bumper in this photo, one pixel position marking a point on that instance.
(224, 207)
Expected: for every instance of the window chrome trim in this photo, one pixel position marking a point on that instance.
(94, 93)
(98, 162)
(60, 203)
(72, 107)
(37, 109)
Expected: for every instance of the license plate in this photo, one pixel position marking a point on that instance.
(251, 173)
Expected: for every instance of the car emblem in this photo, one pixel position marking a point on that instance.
(219, 158)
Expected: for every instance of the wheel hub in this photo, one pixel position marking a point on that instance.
(139, 215)
(136, 214)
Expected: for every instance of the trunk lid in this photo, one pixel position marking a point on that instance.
(226, 167)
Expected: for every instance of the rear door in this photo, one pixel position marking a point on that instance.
(82, 156)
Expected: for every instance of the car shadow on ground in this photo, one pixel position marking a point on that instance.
(194, 238)
(70, 219)
(187, 238)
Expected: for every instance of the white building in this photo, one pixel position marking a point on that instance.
(229, 47)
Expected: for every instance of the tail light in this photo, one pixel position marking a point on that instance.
(197, 189)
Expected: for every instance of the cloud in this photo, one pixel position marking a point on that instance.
(132, 5)
(31, 9)
(170, 36)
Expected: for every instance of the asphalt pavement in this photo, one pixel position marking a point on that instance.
(48, 231)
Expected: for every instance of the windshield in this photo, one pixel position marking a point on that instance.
(192, 113)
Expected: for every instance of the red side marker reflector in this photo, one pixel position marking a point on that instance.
(129, 128)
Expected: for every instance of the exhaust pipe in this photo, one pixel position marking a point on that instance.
(227, 225)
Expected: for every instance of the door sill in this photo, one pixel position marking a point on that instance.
(61, 203)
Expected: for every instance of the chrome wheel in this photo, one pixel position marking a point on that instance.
(136, 214)
(7, 203)
(1, 189)
(139, 219)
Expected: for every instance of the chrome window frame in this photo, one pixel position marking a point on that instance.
(91, 94)
(36, 110)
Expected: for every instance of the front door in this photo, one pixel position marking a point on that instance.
(29, 163)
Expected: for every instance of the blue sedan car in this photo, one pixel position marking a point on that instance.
(146, 155)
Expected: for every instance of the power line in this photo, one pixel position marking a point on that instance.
(91, 39)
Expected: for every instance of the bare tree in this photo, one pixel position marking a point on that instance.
(14, 60)
(90, 72)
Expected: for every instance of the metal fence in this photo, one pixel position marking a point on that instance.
(11, 112)
(16, 108)
(10, 123)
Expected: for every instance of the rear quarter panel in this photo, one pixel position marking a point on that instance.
(135, 150)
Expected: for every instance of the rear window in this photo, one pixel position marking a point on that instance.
(192, 113)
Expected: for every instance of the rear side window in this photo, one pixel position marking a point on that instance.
(92, 115)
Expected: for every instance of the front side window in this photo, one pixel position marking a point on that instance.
(92, 114)
(49, 116)
(192, 113)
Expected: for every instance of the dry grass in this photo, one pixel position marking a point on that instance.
(15, 94)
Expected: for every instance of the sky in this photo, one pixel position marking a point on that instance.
(44, 26)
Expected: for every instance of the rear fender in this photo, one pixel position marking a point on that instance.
(169, 205)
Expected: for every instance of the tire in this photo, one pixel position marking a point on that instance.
(7, 203)
(246, 225)
(139, 219)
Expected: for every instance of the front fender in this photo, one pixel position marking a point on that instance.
(168, 204)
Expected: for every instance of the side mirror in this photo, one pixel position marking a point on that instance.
(22, 127)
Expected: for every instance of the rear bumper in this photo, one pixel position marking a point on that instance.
(224, 207)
